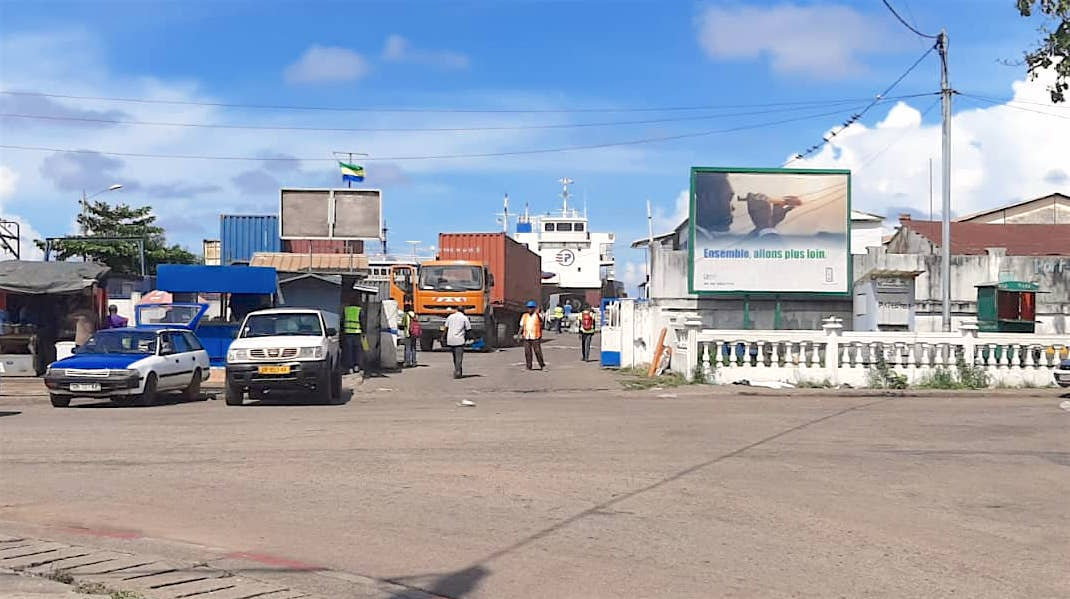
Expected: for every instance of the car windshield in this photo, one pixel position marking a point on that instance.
(120, 342)
(269, 325)
(167, 314)
(451, 278)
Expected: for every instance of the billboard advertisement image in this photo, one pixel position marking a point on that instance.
(770, 231)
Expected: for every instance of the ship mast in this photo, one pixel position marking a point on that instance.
(565, 182)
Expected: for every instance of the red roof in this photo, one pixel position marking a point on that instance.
(1020, 240)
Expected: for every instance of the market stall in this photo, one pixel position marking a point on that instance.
(43, 304)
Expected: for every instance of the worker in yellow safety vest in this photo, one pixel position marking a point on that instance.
(353, 338)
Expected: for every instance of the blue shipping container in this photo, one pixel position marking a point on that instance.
(242, 235)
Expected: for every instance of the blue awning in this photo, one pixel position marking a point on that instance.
(189, 278)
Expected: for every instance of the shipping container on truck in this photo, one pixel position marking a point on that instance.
(242, 235)
(490, 274)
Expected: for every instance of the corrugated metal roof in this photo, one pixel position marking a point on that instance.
(1019, 240)
(316, 263)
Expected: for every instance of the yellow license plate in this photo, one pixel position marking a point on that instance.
(274, 370)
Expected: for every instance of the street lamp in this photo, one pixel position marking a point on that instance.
(86, 198)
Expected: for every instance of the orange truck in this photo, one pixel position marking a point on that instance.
(490, 274)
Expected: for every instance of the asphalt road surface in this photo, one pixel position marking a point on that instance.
(561, 484)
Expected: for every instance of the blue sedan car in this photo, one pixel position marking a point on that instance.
(130, 366)
(1062, 374)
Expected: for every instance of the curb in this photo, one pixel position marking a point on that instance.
(115, 571)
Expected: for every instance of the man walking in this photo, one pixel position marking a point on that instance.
(354, 348)
(457, 327)
(559, 316)
(531, 333)
(586, 333)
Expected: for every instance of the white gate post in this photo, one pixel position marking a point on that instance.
(833, 329)
(969, 342)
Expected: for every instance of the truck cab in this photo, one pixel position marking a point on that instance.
(436, 287)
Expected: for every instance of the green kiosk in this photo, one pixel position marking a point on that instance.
(1007, 307)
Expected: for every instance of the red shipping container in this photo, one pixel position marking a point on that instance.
(322, 246)
(517, 270)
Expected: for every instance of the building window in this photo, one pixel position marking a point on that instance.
(564, 226)
(578, 227)
(548, 227)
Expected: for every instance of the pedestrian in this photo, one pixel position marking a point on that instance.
(568, 317)
(354, 331)
(457, 327)
(113, 320)
(531, 333)
(586, 333)
(559, 316)
(412, 331)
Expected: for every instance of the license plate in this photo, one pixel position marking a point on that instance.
(273, 370)
(85, 386)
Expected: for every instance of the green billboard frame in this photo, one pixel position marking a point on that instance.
(769, 293)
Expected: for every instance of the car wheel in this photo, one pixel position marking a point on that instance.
(234, 395)
(193, 390)
(60, 401)
(148, 395)
(336, 386)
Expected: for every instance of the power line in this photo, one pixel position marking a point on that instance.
(873, 157)
(855, 117)
(994, 102)
(46, 117)
(434, 156)
(904, 22)
(419, 110)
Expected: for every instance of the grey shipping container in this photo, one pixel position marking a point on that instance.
(242, 235)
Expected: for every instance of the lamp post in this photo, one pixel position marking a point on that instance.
(85, 202)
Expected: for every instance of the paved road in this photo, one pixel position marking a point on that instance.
(577, 492)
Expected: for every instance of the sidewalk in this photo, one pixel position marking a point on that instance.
(16, 586)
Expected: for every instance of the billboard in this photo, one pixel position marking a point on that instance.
(343, 214)
(770, 231)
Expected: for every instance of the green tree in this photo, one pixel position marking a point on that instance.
(120, 220)
(1053, 51)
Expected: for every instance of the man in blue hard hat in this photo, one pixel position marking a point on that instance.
(531, 334)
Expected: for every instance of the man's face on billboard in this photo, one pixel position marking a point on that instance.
(713, 202)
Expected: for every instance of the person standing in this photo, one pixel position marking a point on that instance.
(531, 334)
(114, 321)
(354, 348)
(411, 330)
(568, 317)
(457, 327)
(559, 316)
(586, 333)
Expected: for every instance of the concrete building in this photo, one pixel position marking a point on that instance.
(1052, 209)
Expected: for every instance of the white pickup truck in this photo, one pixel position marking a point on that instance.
(285, 349)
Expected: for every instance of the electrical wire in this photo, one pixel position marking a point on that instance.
(855, 117)
(420, 110)
(889, 6)
(436, 156)
(994, 102)
(412, 129)
(873, 157)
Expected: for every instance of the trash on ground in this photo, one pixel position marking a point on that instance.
(1065, 405)
(667, 395)
(772, 384)
(466, 403)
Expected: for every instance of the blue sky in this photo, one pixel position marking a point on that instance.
(505, 56)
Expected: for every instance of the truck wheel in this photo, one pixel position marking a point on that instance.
(502, 332)
(193, 390)
(336, 386)
(233, 395)
(427, 343)
(148, 395)
(60, 401)
(324, 391)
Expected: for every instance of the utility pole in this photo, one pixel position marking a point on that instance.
(649, 246)
(945, 225)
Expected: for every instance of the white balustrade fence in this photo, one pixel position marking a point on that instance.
(838, 357)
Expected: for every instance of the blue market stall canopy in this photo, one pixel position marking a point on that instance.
(40, 278)
(186, 278)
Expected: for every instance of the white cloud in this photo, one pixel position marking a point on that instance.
(399, 49)
(818, 40)
(667, 220)
(327, 64)
(1000, 154)
(632, 274)
(9, 180)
